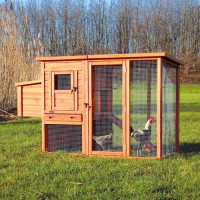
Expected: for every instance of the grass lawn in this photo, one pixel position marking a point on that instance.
(27, 173)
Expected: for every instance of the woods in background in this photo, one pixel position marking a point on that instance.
(77, 27)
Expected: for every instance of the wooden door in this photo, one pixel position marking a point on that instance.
(107, 113)
(64, 89)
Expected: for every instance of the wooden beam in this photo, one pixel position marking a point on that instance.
(159, 108)
(52, 89)
(90, 107)
(86, 110)
(128, 124)
(61, 58)
(62, 122)
(106, 153)
(28, 83)
(76, 92)
(84, 63)
(125, 56)
(110, 56)
(124, 108)
(44, 130)
(19, 101)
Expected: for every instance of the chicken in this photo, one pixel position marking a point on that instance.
(102, 140)
(142, 135)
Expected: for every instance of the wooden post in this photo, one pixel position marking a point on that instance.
(159, 108)
(90, 106)
(85, 129)
(20, 101)
(44, 131)
(52, 90)
(128, 138)
(177, 107)
(76, 92)
(124, 106)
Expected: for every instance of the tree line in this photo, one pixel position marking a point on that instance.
(77, 27)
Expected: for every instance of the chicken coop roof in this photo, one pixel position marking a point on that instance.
(112, 56)
(28, 83)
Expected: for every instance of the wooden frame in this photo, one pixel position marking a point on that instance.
(159, 107)
(72, 104)
(91, 91)
(81, 112)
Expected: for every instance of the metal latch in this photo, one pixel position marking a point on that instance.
(86, 104)
(75, 89)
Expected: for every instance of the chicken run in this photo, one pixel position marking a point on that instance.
(123, 105)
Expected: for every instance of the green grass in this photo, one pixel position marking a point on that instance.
(27, 173)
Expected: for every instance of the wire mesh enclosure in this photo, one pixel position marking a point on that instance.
(111, 105)
(143, 84)
(169, 109)
(66, 138)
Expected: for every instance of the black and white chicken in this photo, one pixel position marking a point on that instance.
(102, 140)
(142, 135)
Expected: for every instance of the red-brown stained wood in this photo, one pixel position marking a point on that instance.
(63, 117)
(124, 107)
(159, 108)
(44, 129)
(19, 102)
(128, 138)
(29, 99)
(86, 109)
(90, 107)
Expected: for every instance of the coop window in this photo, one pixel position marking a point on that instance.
(63, 82)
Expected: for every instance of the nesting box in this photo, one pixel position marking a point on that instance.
(111, 105)
(29, 99)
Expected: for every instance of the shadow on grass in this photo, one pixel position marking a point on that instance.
(190, 107)
(190, 148)
(22, 121)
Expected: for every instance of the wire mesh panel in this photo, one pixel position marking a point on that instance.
(63, 82)
(168, 109)
(143, 89)
(66, 138)
(107, 108)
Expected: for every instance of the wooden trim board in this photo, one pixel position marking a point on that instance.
(159, 108)
(111, 56)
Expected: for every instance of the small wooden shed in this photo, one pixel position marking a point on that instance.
(29, 95)
(111, 105)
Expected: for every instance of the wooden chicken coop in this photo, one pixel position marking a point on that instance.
(111, 105)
